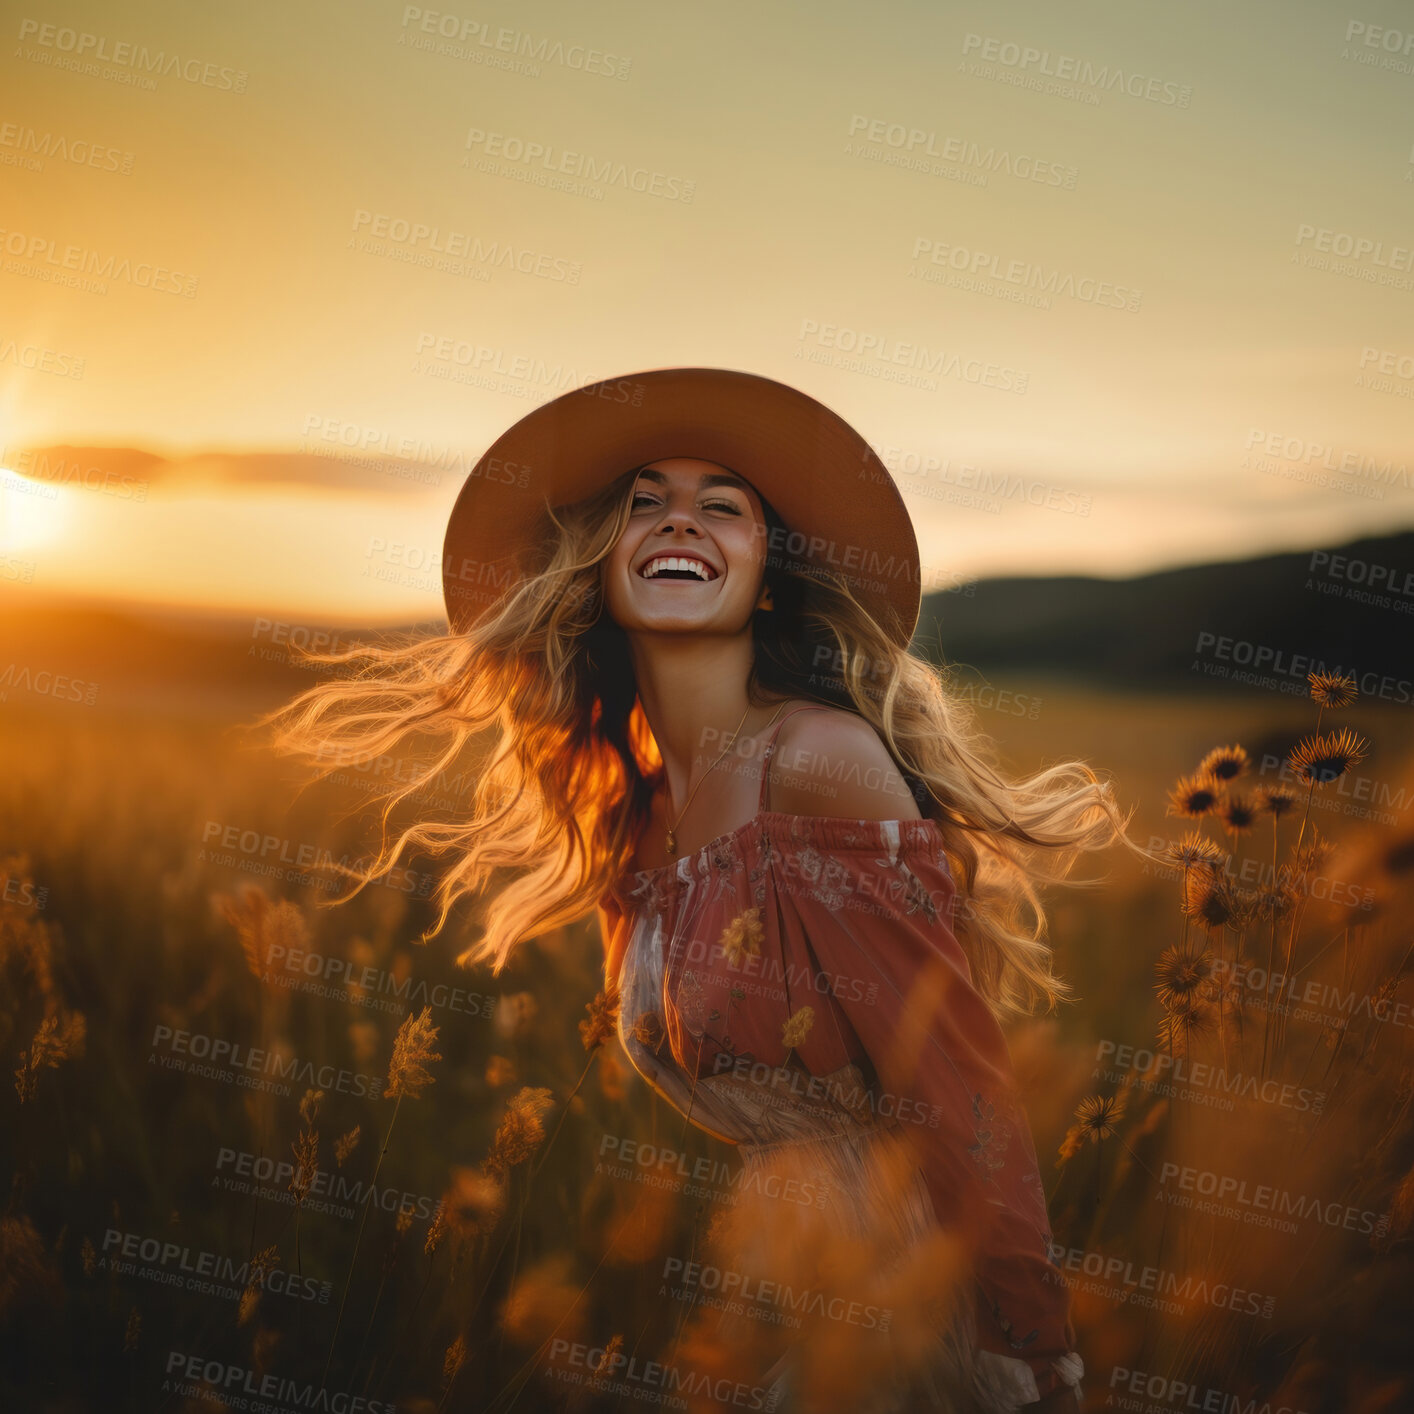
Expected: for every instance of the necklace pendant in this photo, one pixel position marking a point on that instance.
(672, 843)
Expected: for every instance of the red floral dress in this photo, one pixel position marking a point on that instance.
(795, 987)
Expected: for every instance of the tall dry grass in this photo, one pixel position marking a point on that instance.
(499, 1213)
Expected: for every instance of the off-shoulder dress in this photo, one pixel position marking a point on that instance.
(853, 919)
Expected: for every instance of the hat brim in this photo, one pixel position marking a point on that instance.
(840, 505)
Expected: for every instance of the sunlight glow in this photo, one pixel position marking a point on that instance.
(32, 513)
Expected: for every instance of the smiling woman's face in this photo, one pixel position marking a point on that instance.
(692, 556)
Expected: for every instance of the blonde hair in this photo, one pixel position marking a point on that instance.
(543, 679)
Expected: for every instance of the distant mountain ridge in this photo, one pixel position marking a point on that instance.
(1350, 606)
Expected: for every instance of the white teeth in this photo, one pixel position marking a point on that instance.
(675, 562)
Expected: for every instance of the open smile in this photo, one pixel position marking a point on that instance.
(689, 568)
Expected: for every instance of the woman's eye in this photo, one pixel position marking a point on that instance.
(642, 498)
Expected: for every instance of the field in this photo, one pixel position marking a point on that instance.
(263, 1153)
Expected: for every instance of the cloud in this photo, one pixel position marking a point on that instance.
(430, 468)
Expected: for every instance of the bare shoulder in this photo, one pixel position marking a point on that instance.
(833, 763)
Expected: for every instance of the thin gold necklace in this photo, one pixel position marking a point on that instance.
(672, 829)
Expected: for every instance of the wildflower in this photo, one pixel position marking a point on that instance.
(26, 1273)
(603, 1018)
(1211, 901)
(521, 1130)
(22, 936)
(436, 1230)
(1225, 763)
(1099, 1116)
(60, 1037)
(1238, 814)
(1195, 796)
(260, 1264)
(346, 1144)
(1070, 1146)
(1182, 1023)
(306, 1152)
(454, 1359)
(472, 1205)
(1275, 800)
(309, 1106)
(797, 1027)
(608, 1359)
(741, 938)
(263, 926)
(89, 1256)
(1332, 689)
(1181, 974)
(1195, 851)
(134, 1329)
(407, 1073)
(1322, 759)
(500, 1070)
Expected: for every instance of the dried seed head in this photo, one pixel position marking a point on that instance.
(412, 1051)
(1238, 813)
(1226, 763)
(1195, 796)
(1332, 689)
(603, 1018)
(521, 1131)
(1181, 974)
(1196, 851)
(1275, 800)
(1323, 759)
(1099, 1116)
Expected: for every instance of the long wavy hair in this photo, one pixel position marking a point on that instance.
(541, 690)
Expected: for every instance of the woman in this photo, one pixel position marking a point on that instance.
(685, 599)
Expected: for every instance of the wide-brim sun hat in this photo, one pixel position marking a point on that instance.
(842, 510)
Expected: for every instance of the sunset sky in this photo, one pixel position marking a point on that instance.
(1218, 202)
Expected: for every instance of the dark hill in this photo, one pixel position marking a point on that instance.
(1351, 607)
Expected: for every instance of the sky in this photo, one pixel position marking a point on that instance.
(1110, 287)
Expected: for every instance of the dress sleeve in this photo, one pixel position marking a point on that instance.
(880, 932)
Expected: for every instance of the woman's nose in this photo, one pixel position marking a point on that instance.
(680, 517)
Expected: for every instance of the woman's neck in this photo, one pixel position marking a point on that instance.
(693, 690)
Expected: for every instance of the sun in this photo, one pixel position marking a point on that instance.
(32, 513)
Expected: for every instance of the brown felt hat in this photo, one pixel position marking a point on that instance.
(841, 507)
